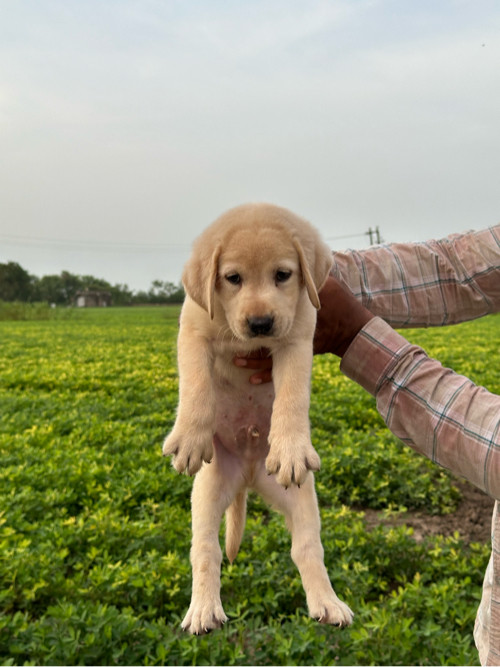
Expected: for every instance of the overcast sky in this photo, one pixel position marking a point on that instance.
(127, 126)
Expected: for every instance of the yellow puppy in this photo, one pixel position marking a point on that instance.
(252, 281)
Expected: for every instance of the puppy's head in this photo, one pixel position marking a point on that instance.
(253, 264)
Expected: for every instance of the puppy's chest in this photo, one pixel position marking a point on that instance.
(243, 418)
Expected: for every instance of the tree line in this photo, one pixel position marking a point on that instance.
(16, 284)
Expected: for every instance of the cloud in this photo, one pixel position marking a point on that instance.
(253, 29)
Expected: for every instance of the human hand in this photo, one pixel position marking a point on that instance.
(261, 361)
(340, 319)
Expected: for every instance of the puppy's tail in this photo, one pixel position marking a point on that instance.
(235, 524)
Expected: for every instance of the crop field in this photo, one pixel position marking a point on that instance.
(95, 523)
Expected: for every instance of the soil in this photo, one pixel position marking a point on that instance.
(472, 518)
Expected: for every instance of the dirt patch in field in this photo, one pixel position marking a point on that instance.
(472, 519)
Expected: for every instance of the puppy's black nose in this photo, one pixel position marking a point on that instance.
(261, 326)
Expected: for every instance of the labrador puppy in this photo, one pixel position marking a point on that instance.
(252, 281)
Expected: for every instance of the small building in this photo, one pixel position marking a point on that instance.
(92, 299)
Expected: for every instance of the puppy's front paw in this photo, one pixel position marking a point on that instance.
(291, 460)
(190, 448)
(203, 617)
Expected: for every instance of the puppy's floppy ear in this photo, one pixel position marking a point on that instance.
(200, 275)
(316, 260)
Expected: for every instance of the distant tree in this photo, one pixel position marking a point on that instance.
(60, 289)
(16, 284)
(140, 297)
(92, 283)
(165, 292)
(48, 288)
(177, 293)
(70, 284)
(121, 295)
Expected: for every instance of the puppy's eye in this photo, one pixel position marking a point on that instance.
(234, 278)
(282, 276)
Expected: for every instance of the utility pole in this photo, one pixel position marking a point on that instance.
(374, 234)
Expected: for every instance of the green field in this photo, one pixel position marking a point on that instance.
(95, 524)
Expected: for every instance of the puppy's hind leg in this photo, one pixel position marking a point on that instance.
(300, 507)
(212, 494)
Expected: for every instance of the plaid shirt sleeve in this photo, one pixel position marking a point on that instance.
(426, 284)
(439, 413)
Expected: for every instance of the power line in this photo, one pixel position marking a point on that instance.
(345, 236)
(373, 234)
(12, 239)
(93, 244)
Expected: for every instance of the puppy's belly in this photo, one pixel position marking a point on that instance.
(243, 420)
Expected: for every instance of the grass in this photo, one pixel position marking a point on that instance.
(94, 523)
(16, 310)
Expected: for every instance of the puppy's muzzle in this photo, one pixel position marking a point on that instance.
(261, 326)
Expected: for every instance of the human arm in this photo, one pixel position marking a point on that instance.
(442, 415)
(439, 413)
